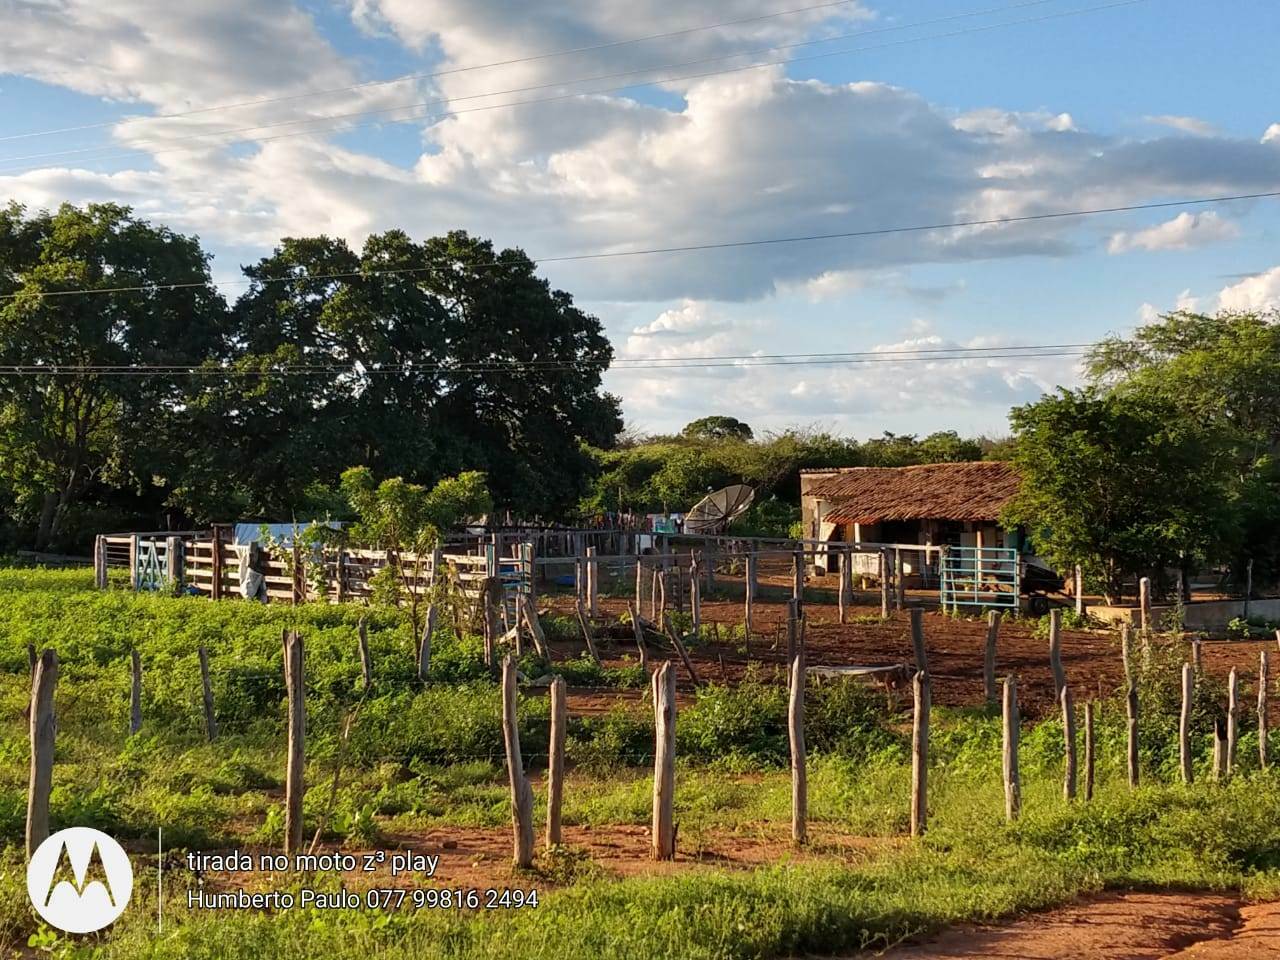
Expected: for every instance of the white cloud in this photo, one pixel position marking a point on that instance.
(1192, 125)
(1257, 293)
(1184, 231)
(1272, 134)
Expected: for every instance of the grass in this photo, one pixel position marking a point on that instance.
(423, 757)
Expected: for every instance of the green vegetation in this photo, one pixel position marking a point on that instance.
(428, 756)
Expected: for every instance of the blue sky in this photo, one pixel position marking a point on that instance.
(1099, 106)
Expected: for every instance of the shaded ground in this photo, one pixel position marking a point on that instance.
(1091, 657)
(1124, 926)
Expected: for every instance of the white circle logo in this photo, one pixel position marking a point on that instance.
(79, 880)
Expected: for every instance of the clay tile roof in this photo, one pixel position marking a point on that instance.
(931, 491)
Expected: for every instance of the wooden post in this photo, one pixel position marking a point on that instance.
(491, 628)
(920, 754)
(210, 722)
(795, 729)
(424, 643)
(215, 542)
(135, 692)
(586, 631)
(664, 581)
(294, 785)
(1264, 713)
(793, 630)
(797, 578)
(1069, 744)
(843, 586)
(593, 582)
(1055, 652)
(174, 563)
(1219, 748)
(43, 728)
(1184, 723)
(100, 562)
(521, 793)
(366, 666)
(133, 562)
(1197, 656)
(1131, 714)
(989, 661)
(639, 583)
(899, 584)
(1089, 749)
(638, 630)
(664, 762)
(883, 584)
(1144, 604)
(555, 765)
(1233, 719)
(917, 639)
(1079, 590)
(1012, 782)
(749, 593)
(695, 596)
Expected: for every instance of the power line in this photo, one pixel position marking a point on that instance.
(649, 251)
(933, 355)
(404, 78)
(340, 118)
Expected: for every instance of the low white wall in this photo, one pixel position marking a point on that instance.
(1209, 615)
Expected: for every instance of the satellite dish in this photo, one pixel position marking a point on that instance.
(717, 510)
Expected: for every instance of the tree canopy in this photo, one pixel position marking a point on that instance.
(1119, 484)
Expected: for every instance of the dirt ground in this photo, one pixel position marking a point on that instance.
(1091, 658)
(1123, 926)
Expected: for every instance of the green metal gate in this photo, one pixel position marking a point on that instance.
(979, 577)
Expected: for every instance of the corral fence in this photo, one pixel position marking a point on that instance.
(589, 561)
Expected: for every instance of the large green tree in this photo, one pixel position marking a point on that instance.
(1120, 484)
(75, 417)
(1221, 372)
(421, 360)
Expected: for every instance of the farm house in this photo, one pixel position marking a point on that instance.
(934, 504)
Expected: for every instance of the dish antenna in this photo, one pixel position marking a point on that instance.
(717, 510)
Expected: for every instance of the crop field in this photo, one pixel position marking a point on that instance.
(408, 765)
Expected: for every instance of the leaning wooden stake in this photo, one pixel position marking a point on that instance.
(1089, 748)
(899, 582)
(1055, 652)
(1233, 719)
(1264, 713)
(586, 631)
(795, 729)
(1144, 605)
(521, 793)
(294, 785)
(920, 755)
(664, 762)
(535, 626)
(638, 629)
(42, 729)
(674, 636)
(366, 663)
(917, 639)
(989, 661)
(135, 692)
(210, 722)
(1012, 782)
(1068, 744)
(1219, 748)
(555, 766)
(1184, 722)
